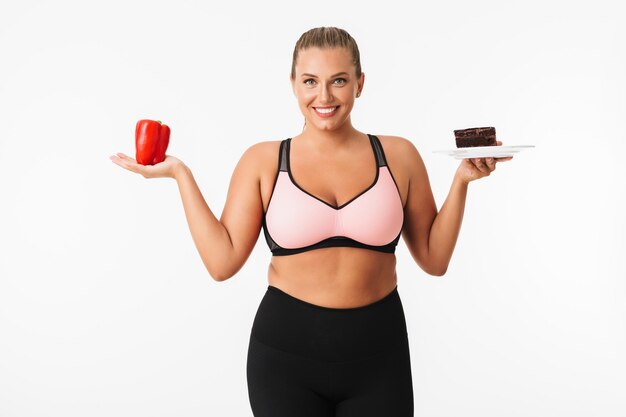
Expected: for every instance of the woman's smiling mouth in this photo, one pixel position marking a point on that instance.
(326, 111)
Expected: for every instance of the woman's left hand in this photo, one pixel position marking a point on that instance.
(475, 168)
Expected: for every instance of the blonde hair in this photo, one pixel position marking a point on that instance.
(326, 38)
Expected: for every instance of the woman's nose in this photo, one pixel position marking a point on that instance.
(325, 94)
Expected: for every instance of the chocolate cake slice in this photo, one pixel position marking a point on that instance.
(475, 136)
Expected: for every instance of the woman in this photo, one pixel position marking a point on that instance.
(329, 337)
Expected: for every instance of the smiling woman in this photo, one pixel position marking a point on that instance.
(331, 252)
(325, 46)
(329, 337)
(326, 97)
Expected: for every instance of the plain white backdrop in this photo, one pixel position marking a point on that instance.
(105, 306)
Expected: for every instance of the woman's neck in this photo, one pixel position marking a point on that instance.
(329, 139)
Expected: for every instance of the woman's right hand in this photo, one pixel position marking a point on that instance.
(168, 168)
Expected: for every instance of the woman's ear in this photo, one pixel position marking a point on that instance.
(360, 83)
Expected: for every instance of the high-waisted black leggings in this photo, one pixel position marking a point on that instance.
(306, 360)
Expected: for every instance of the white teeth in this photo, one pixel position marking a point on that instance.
(330, 110)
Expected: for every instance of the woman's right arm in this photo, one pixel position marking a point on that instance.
(225, 244)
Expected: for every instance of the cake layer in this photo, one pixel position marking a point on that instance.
(475, 136)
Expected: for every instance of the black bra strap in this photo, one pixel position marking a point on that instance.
(378, 153)
(378, 148)
(282, 156)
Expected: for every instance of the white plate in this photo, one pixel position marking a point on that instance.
(485, 151)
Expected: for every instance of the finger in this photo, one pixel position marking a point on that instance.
(491, 164)
(498, 143)
(126, 157)
(129, 164)
(506, 158)
(478, 163)
(119, 161)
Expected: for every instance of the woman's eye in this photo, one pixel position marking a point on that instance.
(311, 81)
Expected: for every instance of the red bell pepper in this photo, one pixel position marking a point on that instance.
(151, 140)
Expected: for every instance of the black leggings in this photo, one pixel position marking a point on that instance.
(309, 360)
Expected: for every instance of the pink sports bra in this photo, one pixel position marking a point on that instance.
(297, 221)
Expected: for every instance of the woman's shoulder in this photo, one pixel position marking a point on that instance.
(265, 156)
(395, 143)
(398, 149)
(266, 150)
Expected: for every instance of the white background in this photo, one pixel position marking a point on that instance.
(105, 306)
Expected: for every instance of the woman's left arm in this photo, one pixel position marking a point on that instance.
(430, 235)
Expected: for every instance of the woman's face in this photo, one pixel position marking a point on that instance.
(326, 86)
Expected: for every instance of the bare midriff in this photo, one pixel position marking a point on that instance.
(335, 277)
